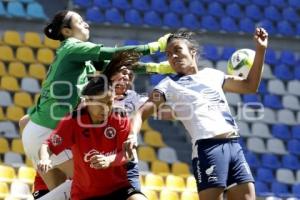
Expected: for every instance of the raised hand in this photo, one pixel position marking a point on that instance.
(261, 37)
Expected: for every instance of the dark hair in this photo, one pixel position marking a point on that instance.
(59, 21)
(97, 85)
(187, 36)
(120, 59)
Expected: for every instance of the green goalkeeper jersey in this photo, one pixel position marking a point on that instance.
(67, 75)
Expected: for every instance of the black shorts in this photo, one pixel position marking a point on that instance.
(121, 194)
(39, 193)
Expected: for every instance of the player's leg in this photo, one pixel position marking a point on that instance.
(53, 178)
(211, 194)
(137, 197)
(62, 192)
(244, 191)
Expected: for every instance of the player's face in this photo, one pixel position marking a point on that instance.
(100, 106)
(79, 28)
(121, 80)
(180, 57)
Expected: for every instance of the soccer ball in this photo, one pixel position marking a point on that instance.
(240, 63)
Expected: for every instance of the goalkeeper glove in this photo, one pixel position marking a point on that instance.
(159, 68)
(159, 45)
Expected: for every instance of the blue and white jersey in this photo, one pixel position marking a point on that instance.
(132, 101)
(199, 102)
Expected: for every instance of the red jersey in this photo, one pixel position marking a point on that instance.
(73, 133)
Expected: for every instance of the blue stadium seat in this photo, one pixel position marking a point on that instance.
(82, 3)
(215, 9)
(297, 73)
(270, 161)
(171, 20)
(2, 10)
(290, 162)
(243, 2)
(294, 3)
(227, 52)
(272, 13)
(290, 15)
(141, 5)
(281, 131)
(272, 101)
(285, 28)
(120, 4)
(133, 16)
(159, 6)
(293, 146)
(279, 189)
(210, 23)
(113, 16)
(278, 3)
(268, 25)
(26, 1)
(177, 6)
(297, 29)
(196, 7)
(94, 14)
(261, 189)
(234, 10)
(102, 4)
(228, 24)
(210, 52)
(261, 3)
(253, 12)
(190, 21)
(265, 175)
(271, 57)
(152, 18)
(247, 25)
(283, 72)
(288, 57)
(15, 9)
(263, 87)
(296, 189)
(296, 132)
(224, 2)
(252, 100)
(252, 159)
(36, 10)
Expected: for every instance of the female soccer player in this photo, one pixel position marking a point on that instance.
(61, 89)
(197, 99)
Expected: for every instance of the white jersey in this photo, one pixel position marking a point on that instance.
(199, 102)
(132, 101)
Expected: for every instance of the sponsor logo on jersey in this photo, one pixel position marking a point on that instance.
(87, 156)
(56, 140)
(110, 132)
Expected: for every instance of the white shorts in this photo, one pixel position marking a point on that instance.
(33, 137)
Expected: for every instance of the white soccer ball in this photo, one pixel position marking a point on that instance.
(240, 63)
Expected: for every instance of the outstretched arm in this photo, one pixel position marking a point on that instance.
(251, 83)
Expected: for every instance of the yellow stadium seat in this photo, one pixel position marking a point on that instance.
(6, 53)
(180, 169)
(146, 126)
(14, 113)
(17, 69)
(160, 167)
(45, 56)
(191, 184)
(153, 138)
(2, 116)
(188, 195)
(146, 153)
(53, 44)
(23, 99)
(175, 183)
(169, 195)
(4, 190)
(154, 182)
(2, 69)
(28, 162)
(37, 70)
(7, 173)
(12, 38)
(17, 146)
(150, 194)
(10, 83)
(32, 39)
(25, 54)
(4, 145)
(26, 174)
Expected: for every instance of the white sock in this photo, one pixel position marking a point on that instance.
(61, 192)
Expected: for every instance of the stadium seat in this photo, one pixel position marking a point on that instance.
(23, 99)
(196, 7)
(53, 44)
(171, 20)
(141, 5)
(256, 145)
(233, 98)
(120, 4)
(30, 85)
(12, 38)
(296, 189)
(190, 21)
(16, 9)
(36, 11)
(45, 56)
(268, 116)
(272, 13)
(252, 100)
(290, 14)
(14, 113)
(229, 25)
(4, 145)
(9, 83)
(143, 167)
(285, 28)
(146, 153)
(262, 89)
(259, 3)
(283, 72)
(175, 183)
(211, 52)
(153, 138)
(276, 146)
(25, 54)
(244, 129)
(271, 57)
(227, 52)
(268, 25)
(160, 168)
(7, 174)
(19, 189)
(94, 15)
(159, 6)
(253, 12)
(290, 162)
(286, 116)
(276, 87)
(180, 169)
(265, 175)
(17, 146)
(13, 159)
(270, 161)
(246, 25)
(8, 129)
(113, 16)
(167, 154)
(133, 17)
(279, 189)
(2, 69)
(206, 63)
(297, 73)
(278, 3)
(4, 190)
(261, 188)
(187, 195)
(293, 147)
(281, 131)
(5, 98)
(170, 195)
(26, 174)
(210, 23)
(37, 70)
(259, 129)
(215, 9)
(177, 6)
(103, 4)
(6, 53)
(267, 73)
(234, 10)
(154, 182)
(150, 194)
(82, 3)
(2, 116)
(28, 162)
(3, 12)
(272, 101)
(296, 131)
(17, 69)
(288, 57)
(252, 159)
